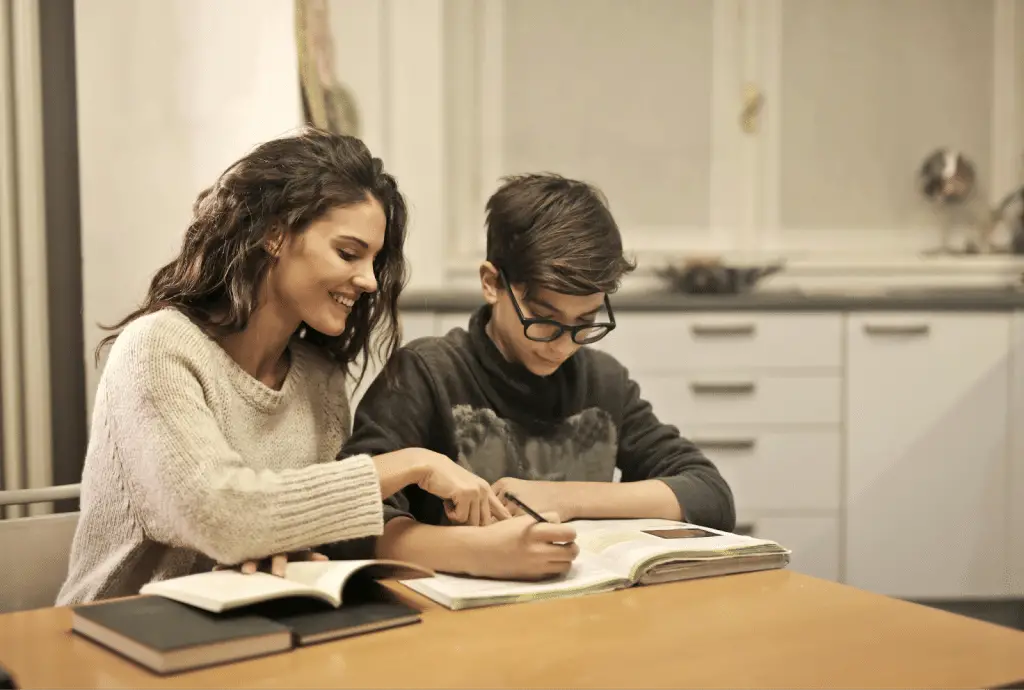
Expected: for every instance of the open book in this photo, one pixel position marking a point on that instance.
(615, 554)
(223, 590)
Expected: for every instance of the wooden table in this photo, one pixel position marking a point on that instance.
(770, 629)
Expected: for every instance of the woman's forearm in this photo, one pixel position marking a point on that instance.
(398, 469)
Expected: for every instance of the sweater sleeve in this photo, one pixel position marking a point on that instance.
(189, 488)
(649, 449)
(398, 411)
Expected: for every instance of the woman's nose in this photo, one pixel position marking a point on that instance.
(366, 281)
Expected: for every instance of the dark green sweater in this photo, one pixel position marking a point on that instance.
(458, 396)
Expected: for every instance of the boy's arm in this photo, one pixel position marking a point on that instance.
(663, 475)
(447, 549)
(651, 452)
(400, 410)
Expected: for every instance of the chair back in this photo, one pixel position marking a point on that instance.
(35, 550)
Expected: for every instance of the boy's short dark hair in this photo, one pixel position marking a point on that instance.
(548, 231)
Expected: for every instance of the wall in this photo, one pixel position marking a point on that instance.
(169, 93)
(391, 53)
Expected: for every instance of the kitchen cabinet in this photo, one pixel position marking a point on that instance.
(884, 449)
(857, 93)
(761, 394)
(583, 88)
(927, 431)
(813, 540)
(711, 125)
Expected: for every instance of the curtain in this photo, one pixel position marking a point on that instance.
(25, 422)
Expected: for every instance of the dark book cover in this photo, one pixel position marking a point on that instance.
(313, 621)
(368, 607)
(167, 636)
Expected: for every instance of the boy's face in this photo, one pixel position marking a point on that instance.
(506, 328)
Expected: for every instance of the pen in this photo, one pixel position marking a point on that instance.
(529, 511)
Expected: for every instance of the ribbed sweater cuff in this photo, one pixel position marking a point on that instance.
(331, 502)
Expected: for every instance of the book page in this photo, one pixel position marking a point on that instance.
(329, 577)
(222, 590)
(628, 546)
(584, 574)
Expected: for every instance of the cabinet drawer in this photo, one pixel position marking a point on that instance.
(690, 401)
(647, 342)
(813, 540)
(775, 470)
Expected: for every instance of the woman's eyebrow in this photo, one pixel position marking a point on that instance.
(354, 239)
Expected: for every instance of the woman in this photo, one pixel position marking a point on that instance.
(223, 402)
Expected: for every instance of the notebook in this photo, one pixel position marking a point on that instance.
(168, 637)
(224, 590)
(616, 554)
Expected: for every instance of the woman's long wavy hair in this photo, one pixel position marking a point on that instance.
(283, 185)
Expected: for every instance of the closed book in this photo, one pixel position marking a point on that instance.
(167, 637)
(314, 621)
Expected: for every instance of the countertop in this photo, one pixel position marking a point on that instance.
(894, 299)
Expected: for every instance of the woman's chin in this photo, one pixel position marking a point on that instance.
(332, 327)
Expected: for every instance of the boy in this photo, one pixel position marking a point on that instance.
(519, 401)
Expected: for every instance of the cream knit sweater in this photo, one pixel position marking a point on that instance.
(192, 461)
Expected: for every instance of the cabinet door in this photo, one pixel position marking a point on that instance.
(619, 93)
(813, 540)
(1016, 499)
(927, 453)
(858, 92)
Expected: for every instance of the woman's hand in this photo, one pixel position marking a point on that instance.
(468, 499)
(276, 563)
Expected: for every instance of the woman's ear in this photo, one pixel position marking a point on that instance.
(274, 242)
(490, 283)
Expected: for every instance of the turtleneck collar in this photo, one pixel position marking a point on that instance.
(516, 392)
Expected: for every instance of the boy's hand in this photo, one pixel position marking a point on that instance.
(544, 497)
(524, 549)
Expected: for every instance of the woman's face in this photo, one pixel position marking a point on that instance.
(320, 273)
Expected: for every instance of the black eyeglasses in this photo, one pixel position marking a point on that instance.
(547, 330)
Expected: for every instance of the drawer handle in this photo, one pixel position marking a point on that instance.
(723, 330)
(741, 387)
(897, 329)
(745, 529)
(725, 443)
